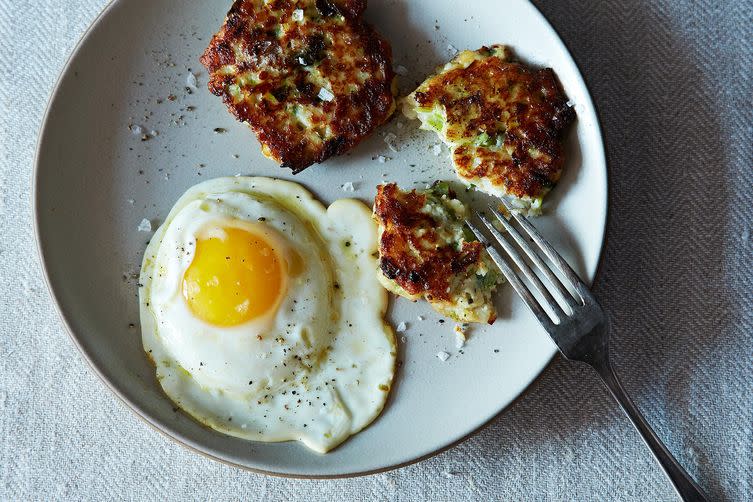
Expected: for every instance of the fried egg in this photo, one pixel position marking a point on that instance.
(263, 315)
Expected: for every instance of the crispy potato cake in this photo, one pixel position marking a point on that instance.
(503, 122)
(310, 77)
(426, 252)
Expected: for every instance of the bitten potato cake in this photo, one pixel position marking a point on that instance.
(426, 252)
(503, 122)
(309, 77)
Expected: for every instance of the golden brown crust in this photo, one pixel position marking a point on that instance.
(411, 252)
(525, 108)
(270, 60)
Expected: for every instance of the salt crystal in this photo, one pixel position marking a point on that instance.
(390, 138)
(420, 318)
(443, 356)
(348, 187)
(145, 226)
(325, 94)
(401, 70)
(191, 80)
(297, 15)
(460, 331)
(137, 130)
(437, 149)
(403, 339)
(452, 49)
(131, 201)
(459, 340)
(381, 159)
(401, 327)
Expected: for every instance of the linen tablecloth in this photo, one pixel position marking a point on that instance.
(672, 81)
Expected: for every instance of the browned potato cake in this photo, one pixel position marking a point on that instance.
(310, 77)
(426, 252)
(503, 121)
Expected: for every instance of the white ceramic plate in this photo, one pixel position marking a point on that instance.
(96, 180)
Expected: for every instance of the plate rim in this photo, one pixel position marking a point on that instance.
(185, 442)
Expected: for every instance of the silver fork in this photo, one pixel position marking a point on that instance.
(576, 323)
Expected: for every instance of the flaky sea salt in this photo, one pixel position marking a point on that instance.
(390, 138)
(348, 187)
(437, 149)
(460, 330)
(401, 70)
(401, 327)
(381, 159)
(297, 15)
(459, 338)
(145, 226)
(191, 80)
(443, 356)
(137, 130)
(325, 94)
(420, 318)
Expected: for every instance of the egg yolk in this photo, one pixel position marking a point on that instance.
(233, 278)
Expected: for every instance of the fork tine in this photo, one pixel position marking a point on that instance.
(523, 266)
(562, 292)
(514, 280)
(550, 252)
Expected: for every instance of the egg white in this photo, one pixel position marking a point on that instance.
(316, 370)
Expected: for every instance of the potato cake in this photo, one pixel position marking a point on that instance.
(425, 251)
(309, 77)
(503, 122)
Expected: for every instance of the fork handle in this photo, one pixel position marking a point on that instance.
(686, 488)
